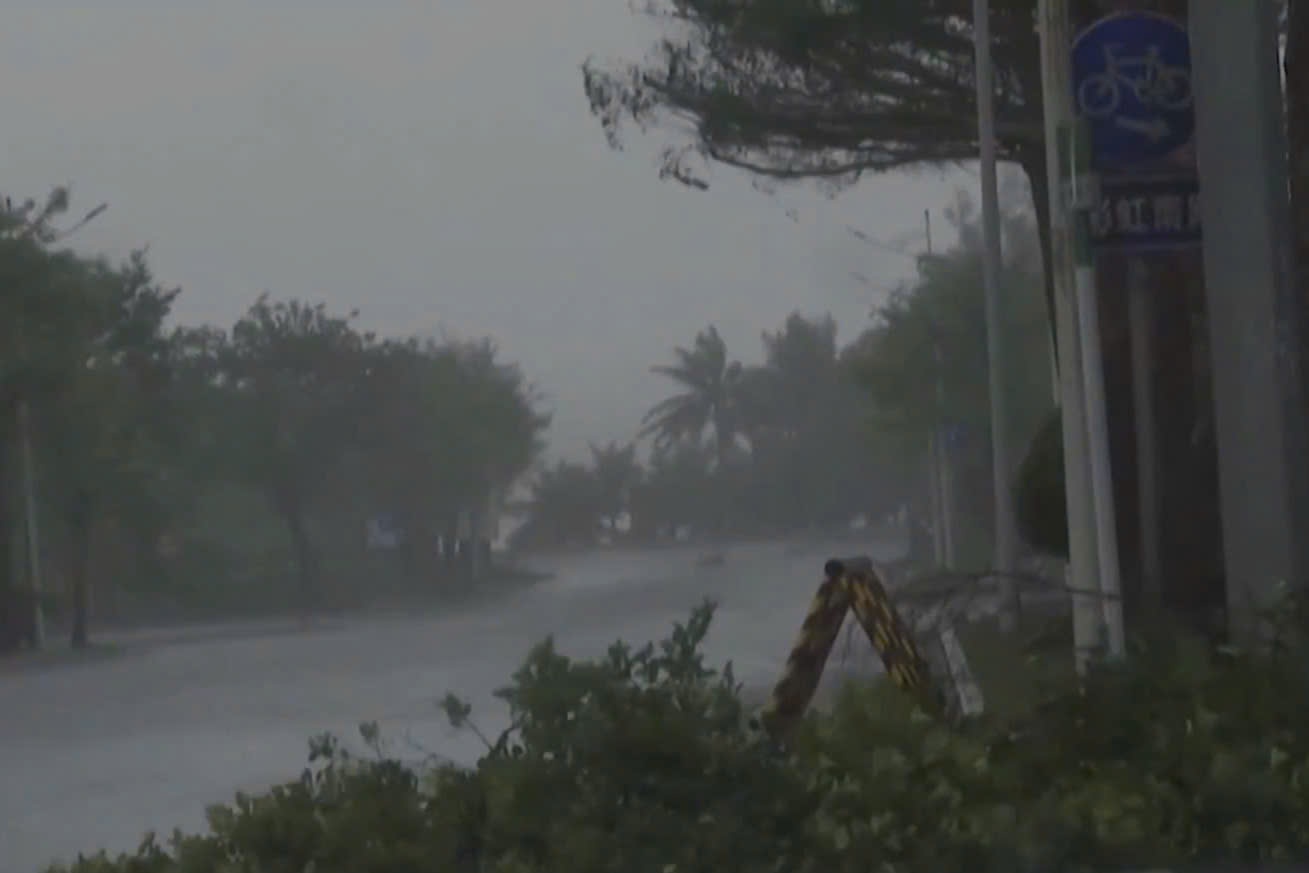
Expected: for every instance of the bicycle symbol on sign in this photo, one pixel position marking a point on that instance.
(1153, 83)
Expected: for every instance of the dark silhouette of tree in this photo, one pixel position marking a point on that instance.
(828, 91)
(618, 473)
(98, 430)
(708, 400)
(565, 508)
(294, 371)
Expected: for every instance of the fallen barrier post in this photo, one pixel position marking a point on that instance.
(849, 584)
(804, 666)
(890, 636)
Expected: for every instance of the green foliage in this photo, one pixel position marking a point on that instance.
(645, 760)
(678, 489)
(443, 426)
(823, 90)
(925, 362)
(179, 452)
(1039, 497)
(709, 399)
(566, 506)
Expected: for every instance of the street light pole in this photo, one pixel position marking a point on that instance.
(1006, 540)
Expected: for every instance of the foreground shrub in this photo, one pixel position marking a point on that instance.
(645, 761)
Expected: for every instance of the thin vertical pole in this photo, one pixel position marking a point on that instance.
(1140, 307)
(941, 443)
(1006, 540)
(1097, 419)
(1082, 573)
(30, 532)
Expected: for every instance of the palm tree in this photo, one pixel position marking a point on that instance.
(710, 398)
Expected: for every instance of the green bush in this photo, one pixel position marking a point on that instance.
(646, 761)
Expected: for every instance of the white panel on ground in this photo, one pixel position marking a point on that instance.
(967, 691)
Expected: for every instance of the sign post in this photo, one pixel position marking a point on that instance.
(1131, 81)
(1057, 104)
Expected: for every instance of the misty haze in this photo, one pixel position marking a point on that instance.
(577, 436)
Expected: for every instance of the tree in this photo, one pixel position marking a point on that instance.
(295, 374)
(501, 422)
(97, 425)
(680, 488)
(446, 424)
(565, 508)
(829, 91)
(803, 415)
(38, 294)
(924, 362)
(709, 400)
(617, 472)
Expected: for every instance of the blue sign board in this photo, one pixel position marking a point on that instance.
(1146, 213)
(1131, 76)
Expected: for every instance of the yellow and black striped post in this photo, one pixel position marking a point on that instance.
(891, 637)
(804, 666)
(850, 583)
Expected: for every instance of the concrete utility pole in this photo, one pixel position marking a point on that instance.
(1083, 570)
(943, 470)
(1006, 539)
(1254, 317)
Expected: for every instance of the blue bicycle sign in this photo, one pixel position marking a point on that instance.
(1150, 81)
(1132, 83)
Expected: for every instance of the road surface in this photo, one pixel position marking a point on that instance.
(95, 753)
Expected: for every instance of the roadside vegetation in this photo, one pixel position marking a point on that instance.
(182, 471)
(647, 760)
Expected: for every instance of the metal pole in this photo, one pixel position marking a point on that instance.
(934, 485)
(1102, 495)
(1140, 322)
(1097, 418)
(30, 532)
(1082, 573)
(1006, 540)
(942, 444)
(1254, 316)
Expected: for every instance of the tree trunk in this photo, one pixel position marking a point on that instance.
(306, 558)
(449, 547)
(79, 579)
(475, 521)
(147, 560)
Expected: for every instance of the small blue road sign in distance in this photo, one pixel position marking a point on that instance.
(1132, 84)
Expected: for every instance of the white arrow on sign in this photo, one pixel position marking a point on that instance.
(1155, 130)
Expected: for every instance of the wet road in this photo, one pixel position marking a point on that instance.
(94, 754)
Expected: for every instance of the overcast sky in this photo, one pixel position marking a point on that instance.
(433, 164)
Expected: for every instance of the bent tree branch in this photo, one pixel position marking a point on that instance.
(792, 90)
